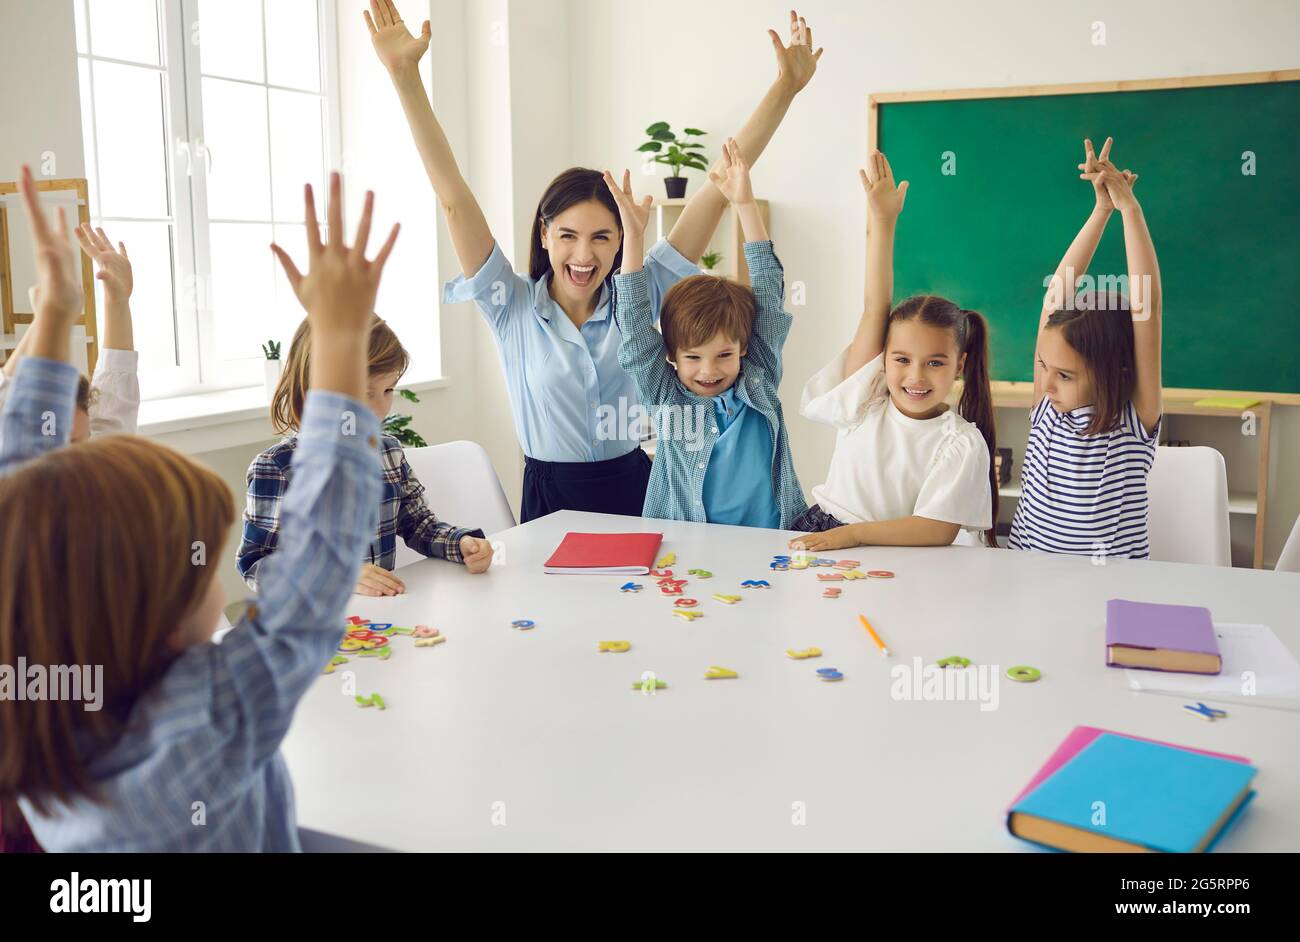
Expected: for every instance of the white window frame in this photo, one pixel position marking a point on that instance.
(187, 159)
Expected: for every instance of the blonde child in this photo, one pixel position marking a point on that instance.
(907, 470)
(176, 719)
(402, 511)
(1095, 421)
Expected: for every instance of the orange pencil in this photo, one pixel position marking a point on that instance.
(884, 651)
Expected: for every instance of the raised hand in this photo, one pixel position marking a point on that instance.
(114, 265)
(635, 216)
(884, 199)
(732, 178)
(58, 298)
(796, 63)
(1091, 167)
(1117, 185)
(393, 42)
(339, 288)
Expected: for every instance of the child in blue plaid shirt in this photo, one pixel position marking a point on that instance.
(402, 510)
(169, 724)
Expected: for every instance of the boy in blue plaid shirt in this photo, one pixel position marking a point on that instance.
(402, 510)
(723, 454)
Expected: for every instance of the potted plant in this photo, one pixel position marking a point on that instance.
(272, 366)
(679, 154)
(399, 425)
(709, 262)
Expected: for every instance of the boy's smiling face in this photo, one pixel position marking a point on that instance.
(711, 368)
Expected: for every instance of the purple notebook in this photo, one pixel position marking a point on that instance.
(1176, 629)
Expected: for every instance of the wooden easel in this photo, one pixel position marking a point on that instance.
(11, 319)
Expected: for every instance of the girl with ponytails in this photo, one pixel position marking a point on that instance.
(908, 470)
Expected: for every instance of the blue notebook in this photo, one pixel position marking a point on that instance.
(1153, 797)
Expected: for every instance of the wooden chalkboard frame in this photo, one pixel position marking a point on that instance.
(1003, 389)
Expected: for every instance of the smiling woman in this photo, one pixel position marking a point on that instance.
(557, 339)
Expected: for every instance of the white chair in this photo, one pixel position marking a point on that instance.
(461, 487)
(1289, 561)
(1188, 490)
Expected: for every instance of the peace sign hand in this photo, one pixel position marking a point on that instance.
(1091, 169)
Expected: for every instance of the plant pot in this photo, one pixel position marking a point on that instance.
(272, 374)
(676, 187)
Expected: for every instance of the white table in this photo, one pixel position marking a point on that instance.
(502, 739)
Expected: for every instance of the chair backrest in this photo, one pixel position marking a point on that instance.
(1188, 491)
(461, 487)
(1289, 561)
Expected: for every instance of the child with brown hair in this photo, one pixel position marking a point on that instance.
(723, 454)
(402, 510)
(1095, 421)
(178, 749)
(907, 470)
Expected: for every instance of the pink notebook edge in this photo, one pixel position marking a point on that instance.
(1082, 736)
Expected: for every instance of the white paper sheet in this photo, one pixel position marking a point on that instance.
(1253, 659)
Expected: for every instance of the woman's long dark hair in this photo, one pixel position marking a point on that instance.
(575, 185)
(971, 333)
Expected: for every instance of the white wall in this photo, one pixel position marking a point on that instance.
(707, 64)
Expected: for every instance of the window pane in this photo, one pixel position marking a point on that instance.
(132, 148)
(153, 318)
(292, 44)
(125, 29)
(230, 38)
(243, 288)
(234, 127)
(79, 11)
(88, 133)
(297, 150)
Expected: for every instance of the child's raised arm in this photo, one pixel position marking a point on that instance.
(884, 204)
(37, 414)
(400, 52)
(1074, 264)
(1144, 292)
(641, 351)
(796, 65)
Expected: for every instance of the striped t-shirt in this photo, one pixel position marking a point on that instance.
(1084, 494)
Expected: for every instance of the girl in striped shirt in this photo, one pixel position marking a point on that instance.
(1096, 415)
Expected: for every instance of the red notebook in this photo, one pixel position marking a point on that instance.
(631, 554)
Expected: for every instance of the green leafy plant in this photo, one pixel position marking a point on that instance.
(271, 350)
(710, 260)
(680, 153)
(398, 425)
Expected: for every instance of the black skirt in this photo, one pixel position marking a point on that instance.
(616, 486)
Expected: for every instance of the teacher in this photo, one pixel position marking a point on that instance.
(553, 326)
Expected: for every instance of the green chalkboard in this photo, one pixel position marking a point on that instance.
(1228, 242)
